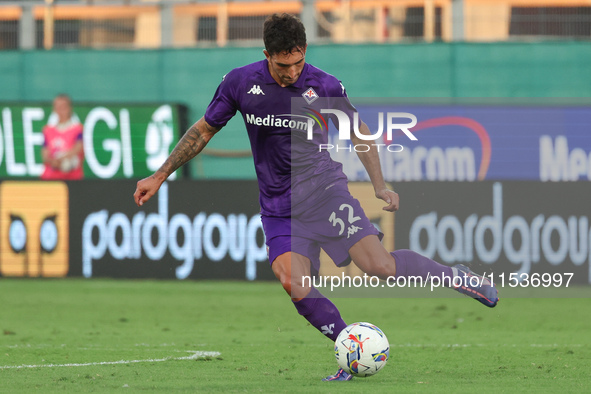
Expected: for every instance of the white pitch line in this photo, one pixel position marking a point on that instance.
(484, 345)
(194, 356)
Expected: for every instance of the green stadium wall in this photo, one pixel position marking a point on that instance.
(190, 77)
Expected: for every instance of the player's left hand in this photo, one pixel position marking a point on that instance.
(391, 197)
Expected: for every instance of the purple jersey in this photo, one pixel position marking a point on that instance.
(291, 170)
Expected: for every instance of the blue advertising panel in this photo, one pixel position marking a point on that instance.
(474, 142)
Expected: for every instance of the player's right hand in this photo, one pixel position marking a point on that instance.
(391, 198)
(146, 188)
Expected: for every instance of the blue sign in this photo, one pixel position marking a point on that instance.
(470, 143)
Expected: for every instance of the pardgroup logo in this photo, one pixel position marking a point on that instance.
(34, 229)
(185, 238)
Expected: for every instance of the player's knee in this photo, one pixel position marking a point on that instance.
(286, 283)
(295, 290)
(284, 279)
(291, 277)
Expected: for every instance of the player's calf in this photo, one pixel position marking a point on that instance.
(459, 278)
(321, 313)
(290, 268)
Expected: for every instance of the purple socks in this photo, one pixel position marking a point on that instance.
(409, 263)
(325, 316)
(321, 313)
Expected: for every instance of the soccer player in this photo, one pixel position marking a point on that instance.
(304, 198)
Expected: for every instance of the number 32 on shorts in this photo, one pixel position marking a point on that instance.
(336, 221)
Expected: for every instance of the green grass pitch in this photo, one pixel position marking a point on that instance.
(152, 328)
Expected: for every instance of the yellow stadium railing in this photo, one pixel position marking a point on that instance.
(482, 19)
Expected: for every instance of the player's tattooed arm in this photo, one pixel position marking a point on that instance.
(371, 162)
(190, 145)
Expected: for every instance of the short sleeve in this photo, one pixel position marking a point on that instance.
(343, 100)
(224, 105)
(340, 101)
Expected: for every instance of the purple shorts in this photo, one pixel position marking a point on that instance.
(334, 224)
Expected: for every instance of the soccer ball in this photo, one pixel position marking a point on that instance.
(362, 349)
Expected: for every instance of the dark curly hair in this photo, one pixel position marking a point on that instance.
(283, 33)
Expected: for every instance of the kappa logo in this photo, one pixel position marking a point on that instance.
(310, 95)
(352, 230)
(256, 89)
(327, 329)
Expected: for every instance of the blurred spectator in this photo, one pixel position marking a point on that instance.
(63, 153)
